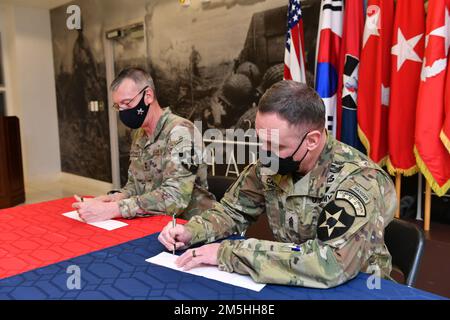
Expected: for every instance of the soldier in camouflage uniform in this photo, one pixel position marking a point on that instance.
(328, 215)
(166, 173)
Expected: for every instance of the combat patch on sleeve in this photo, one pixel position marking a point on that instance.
(189, 159)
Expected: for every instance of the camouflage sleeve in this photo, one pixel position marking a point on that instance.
(180, 164)
(350, 239)
(131, 187)
(240, 206)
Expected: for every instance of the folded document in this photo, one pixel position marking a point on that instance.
(211, 272)
(107, 225)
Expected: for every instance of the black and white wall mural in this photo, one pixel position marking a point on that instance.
(211, 63)
(80, 79)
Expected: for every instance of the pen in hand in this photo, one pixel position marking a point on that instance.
(174, 223)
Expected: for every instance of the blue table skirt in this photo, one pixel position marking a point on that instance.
(121, 273)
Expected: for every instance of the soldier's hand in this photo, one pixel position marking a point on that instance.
(110, 198)
(205, 255)
(179, 236)
(95, 211)
(104, 198)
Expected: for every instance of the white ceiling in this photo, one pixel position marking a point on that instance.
(44, 4)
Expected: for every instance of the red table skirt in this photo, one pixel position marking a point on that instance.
(37, 235)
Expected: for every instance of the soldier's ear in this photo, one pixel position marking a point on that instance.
(312, 141)
(149, 96)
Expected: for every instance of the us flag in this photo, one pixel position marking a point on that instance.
(294, 56)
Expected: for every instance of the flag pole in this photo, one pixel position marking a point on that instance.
(419, 197)
(398, 187)
(426, 225)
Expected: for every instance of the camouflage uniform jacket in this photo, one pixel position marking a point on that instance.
(329, 225)
(166, 173)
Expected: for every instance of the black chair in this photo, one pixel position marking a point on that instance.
(405, 242)
(218, 185)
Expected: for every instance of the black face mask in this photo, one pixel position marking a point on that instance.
(285, 165)
(134, 118)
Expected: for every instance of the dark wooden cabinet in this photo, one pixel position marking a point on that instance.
(12, 191)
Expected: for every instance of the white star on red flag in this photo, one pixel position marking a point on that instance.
(404, 49)
(372, 24)
(443, 31)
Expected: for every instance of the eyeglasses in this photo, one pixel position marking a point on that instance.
(124, 106)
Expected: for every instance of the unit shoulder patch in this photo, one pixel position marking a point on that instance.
(339, 215)
(188, 158)
(334, 221)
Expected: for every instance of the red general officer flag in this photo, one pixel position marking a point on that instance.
(445, 133)
(407, 54)
(432, 157)
(374, 79)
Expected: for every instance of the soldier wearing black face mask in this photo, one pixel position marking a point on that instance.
(166, 173)
(285, 165)
(327, 204)
(133, 118)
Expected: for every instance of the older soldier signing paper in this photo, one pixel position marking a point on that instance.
(166, 173)
(327, 204)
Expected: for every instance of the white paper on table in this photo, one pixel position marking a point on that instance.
(107, 225)
(211, 272)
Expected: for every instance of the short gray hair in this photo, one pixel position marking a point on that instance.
(138, 75)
